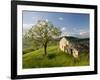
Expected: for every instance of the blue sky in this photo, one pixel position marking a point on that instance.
(71, 24)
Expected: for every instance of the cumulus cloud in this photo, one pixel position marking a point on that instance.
(47, 20)
(66, 33)
(36, 18)
(81, 33)
(84, 34)
(27, 27)
(33, 17)
(63, 29)
(60, 18)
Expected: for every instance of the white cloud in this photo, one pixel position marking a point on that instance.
(60, 18)
(63, 29)
(47, 20)
(66, 34)
(79, 35)
(33, 17)
(82, 33)
(27, 27)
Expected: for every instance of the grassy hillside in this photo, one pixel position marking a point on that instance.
(81, 44)
(55, 58)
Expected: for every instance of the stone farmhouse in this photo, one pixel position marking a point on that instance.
(68, 47)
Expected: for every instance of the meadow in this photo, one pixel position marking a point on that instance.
(55, 58)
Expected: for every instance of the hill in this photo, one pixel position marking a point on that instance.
(55, 58)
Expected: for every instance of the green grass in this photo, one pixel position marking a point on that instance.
(55, 58)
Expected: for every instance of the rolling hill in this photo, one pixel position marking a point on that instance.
(55, 58)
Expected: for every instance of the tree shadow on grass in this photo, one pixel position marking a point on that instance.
(51, 56)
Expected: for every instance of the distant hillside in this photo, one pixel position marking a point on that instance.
(71, 38)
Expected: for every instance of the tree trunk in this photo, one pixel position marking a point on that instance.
(45, 49)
